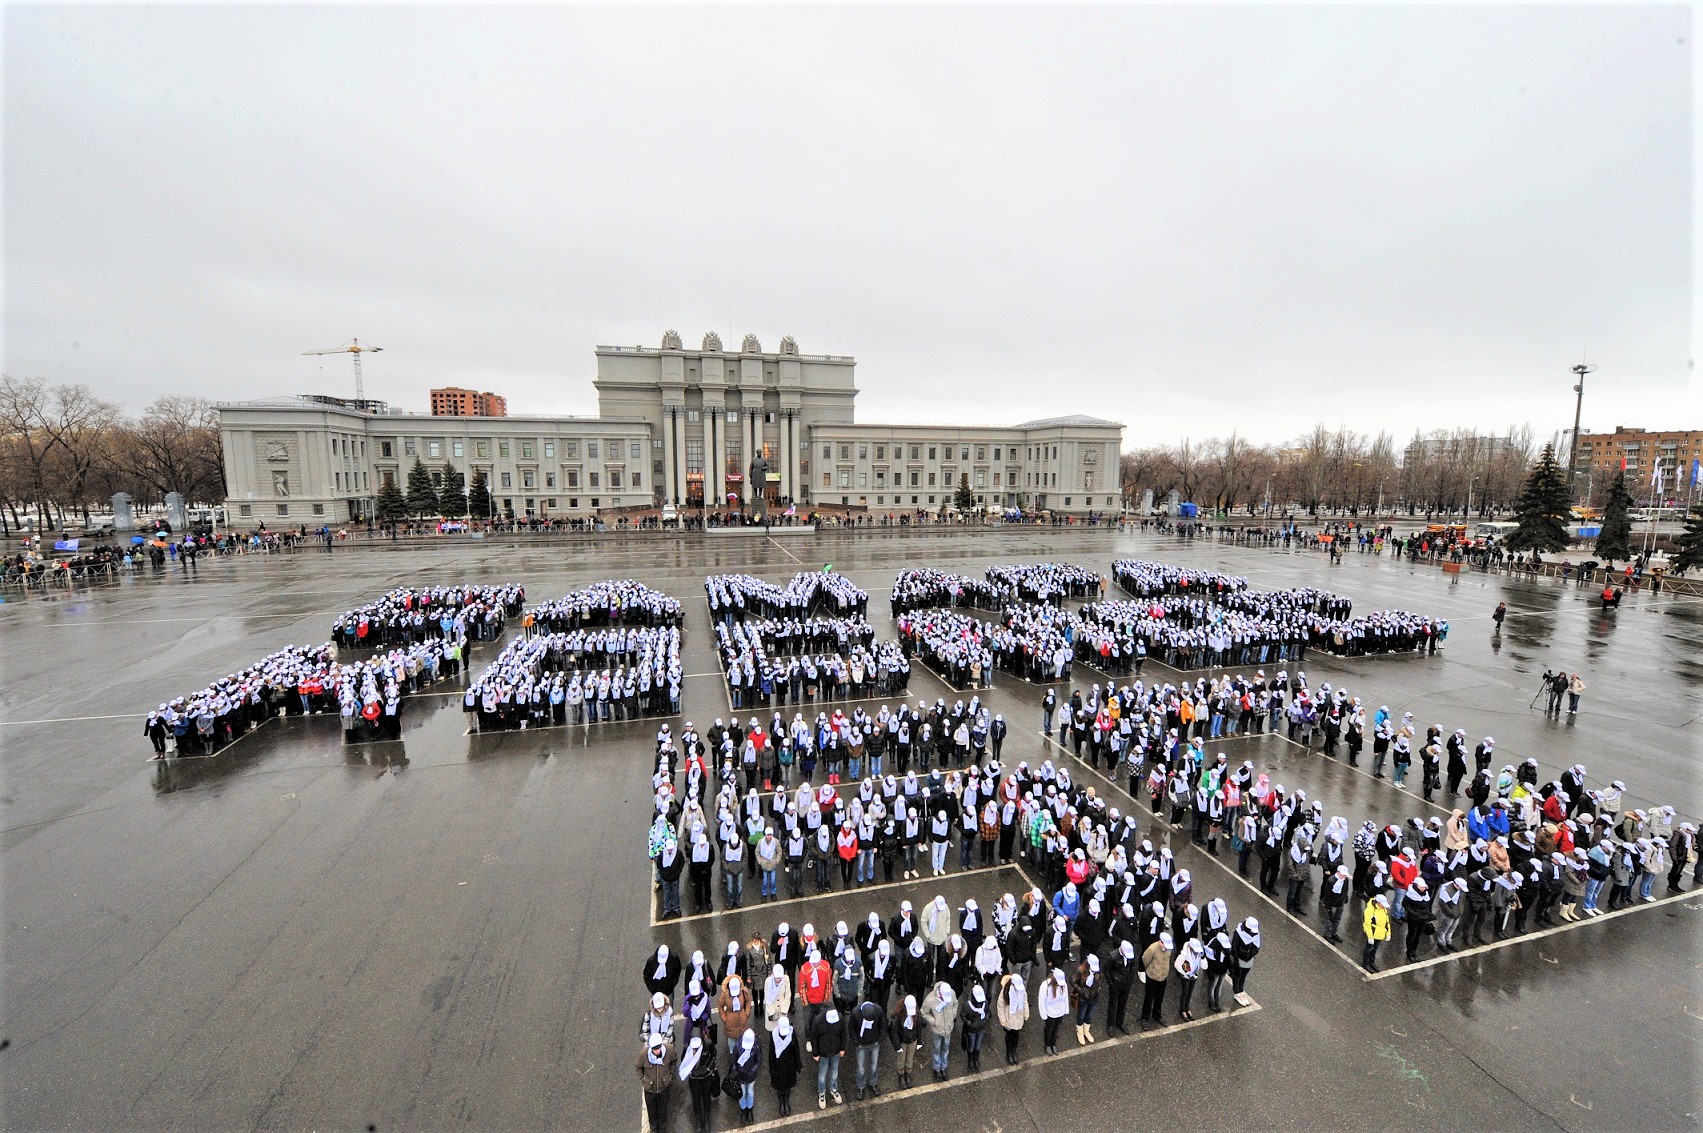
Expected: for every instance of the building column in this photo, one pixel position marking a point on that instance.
(668, 454)
(677, 437)
(789, 459)
(783, 428)
(715, 486)
(748, 452)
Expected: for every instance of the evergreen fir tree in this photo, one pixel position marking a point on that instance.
(1691, 541)
(1615, 539)
(479, 496)
(963, 499)
(391, 504)
(422, 495)
(1543, 508)
(452, 493)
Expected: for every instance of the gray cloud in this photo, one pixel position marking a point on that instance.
(1190, 219)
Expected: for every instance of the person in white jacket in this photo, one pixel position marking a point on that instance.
(1054, 1006)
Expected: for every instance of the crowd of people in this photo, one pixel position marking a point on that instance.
(419, 613)
(735, 597)
(954, 645)
(297, 680)
(1121, 914)
(773, 661)
(579, 676)
(612, 602)
(1515, 846)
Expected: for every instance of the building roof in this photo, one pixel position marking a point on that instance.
(1077, 419)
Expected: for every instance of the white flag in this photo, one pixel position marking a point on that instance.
(1656, 475)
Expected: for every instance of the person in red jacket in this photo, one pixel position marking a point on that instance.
(1403, 869)
(815, 986)
(845, 845)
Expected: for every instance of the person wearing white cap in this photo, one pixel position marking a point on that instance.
(1156, 968)
(656, 1068)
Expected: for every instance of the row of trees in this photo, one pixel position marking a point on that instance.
(1337, 472)
(63, 450)
(1544, 510)
(444, 492)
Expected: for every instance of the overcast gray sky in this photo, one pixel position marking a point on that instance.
(1190, 219)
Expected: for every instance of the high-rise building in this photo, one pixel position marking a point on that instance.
(453, 401)
(1601, 453)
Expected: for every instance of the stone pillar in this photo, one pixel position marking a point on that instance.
(716, 458)
(678, 487)
(789, 458)
(123, 516)
(668, 455)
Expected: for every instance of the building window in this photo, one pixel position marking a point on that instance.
(573, 501)
(845, 477)
(283, 509)
(549, 479)
(526, 450)
(593, 481)
(880, 478)
(914, 477)
(695, 454)
(408, 446)
(863, 452)
(931, 484)
(981, 452)
(245, 509)
(508, 480)
(434, 449)
(931, 452)
(570, 450)
(503, 451)
(573, 478)
(594, 502)
(319, 509)
(527, 479)
(827, 480)
(863, 479)
(384, 449)
(845, 452)
(692, 416)
(456, 449)
(549, 450)
(614, 477)
(880, 452)
(482, 450)
(996, 455)
(827, 452)
(981, 478)
(591, 450)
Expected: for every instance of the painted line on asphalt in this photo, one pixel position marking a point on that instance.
(784, 551)
(1526, 938)
(762, 904)
(73, 719)
(1256, 890)
(840, 1110)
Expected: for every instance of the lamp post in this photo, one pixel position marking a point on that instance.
(1578, 408)
(1469, 484)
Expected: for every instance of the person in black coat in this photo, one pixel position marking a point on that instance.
(1120, 978)
(916, 970)
(662, 971)
(784, 1061)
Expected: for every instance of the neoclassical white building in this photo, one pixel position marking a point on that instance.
(694, 427)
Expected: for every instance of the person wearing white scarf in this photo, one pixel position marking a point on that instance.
(1012, 1010)
(777, 997)
(784, 1063)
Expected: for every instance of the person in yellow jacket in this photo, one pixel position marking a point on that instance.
(1377, 926)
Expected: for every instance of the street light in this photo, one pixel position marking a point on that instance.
(1578, 408)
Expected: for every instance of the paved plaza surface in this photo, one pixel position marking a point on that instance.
(446, 932)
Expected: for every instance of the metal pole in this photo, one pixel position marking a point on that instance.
(1578, 409)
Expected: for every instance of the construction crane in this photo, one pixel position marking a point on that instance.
(357, 348)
